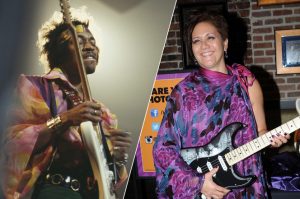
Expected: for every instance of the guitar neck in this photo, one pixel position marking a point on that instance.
(261, 142)
(81, 69)
(65, 9)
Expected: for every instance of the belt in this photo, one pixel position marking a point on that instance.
(63, 180)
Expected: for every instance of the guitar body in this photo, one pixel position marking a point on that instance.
(97, 158)
(203, 159)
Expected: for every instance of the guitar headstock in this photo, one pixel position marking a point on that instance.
(65, 9)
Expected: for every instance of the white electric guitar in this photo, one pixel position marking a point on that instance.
(90, 133)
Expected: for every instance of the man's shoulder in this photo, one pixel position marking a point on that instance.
(34, 79)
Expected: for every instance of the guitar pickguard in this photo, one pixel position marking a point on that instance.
(219, 144)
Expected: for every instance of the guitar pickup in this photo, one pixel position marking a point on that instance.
(209, 166)
(222, 163)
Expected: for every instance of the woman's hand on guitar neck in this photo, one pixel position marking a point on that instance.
(278, 140)
(210, 189)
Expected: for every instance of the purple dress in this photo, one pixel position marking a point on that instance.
(198, 108)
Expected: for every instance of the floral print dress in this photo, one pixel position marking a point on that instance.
(197, 110)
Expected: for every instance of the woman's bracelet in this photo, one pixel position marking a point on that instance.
(54, 122)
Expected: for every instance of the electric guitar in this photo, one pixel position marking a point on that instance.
(91, 133)
(220, 152)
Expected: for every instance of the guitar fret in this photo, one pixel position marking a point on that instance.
(292, 125)
(258, 144)
(263, 144)
(265, 139)
(285, 128)
(236, 157)
(273, 133)
(254, 142)
(228, 157)
(279, 131)
(253, 147)
(297, 122)
(249, 147)
(240, 153)
(269, 135)
(245, 148)
(231, 157)
(234, 154)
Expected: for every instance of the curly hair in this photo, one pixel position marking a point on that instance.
(214, 18)
(49, 37)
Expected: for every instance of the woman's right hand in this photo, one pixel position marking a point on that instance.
(210, 189)
(86, 111)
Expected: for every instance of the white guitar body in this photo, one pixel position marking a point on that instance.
(93, 143)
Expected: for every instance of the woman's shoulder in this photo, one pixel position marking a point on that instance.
(240, 69)
(244, 75)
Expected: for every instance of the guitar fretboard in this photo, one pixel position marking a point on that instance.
(261, 142)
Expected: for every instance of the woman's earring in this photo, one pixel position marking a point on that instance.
(225, 54)
(195, 61)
